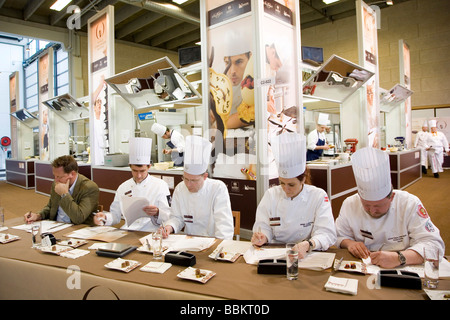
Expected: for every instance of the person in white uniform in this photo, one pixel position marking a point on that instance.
(294, 211)
(175, 144)
(317, 141)
(143, 185)
(437, 143)
(421, 143)
(390, 226)
(201, 205)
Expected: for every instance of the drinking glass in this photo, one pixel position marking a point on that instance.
(35, 228)
(431, 267)
(157, 244)
(291, 261)
(2, 217)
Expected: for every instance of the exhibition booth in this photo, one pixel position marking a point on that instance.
(239, 114)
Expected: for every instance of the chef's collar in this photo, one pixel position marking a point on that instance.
(301, 196)
(143, 181)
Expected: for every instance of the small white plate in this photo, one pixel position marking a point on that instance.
(190, 274)
(6, 237)
(123, 265)
(74, 243)
(55, 249)
(226, 256)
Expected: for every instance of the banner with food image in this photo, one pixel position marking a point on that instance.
(368, 58)
(101, 66)
(280, 76)
(231, 88)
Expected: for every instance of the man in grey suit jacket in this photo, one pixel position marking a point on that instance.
(73, 196)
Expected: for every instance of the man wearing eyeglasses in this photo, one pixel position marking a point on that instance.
(199, 204)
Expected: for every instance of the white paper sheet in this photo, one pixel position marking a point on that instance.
(181, 242)
(46, 226)
(132, 208)
(444, 268)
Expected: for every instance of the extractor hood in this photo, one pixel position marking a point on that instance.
(67, 107)
(154, 85)
(27, 118)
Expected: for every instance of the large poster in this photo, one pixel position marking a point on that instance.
(368, 56)
(231, 95)
(13, 104)
(405, 79)
(101, 66)
(44, 66)
(280, 96)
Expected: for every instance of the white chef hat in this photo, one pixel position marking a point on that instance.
(425, 124)
(140, 151)
(432, 123)
(158, 129)
(197, 154)
(237, 41)
(372, 173)
(289, 151)
(323, 119)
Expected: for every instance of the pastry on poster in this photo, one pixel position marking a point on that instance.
(221, 97)
(246, 110)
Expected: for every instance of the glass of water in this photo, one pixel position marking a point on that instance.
(431, 267)
(157, 244)
(2, 217)
(291, 261)
(35, 228)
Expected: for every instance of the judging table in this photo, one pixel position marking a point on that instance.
(28, 273)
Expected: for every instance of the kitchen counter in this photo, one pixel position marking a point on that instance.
(20, 172)
(405, 167)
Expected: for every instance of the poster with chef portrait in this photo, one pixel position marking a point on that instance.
(231, 95)
(368, 46)
(279, 57)
(44, 66)
(405, 79)
(101, 66)
(13, 104)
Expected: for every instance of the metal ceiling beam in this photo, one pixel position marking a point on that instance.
(31, 7)
(138, 23)
(166, 9)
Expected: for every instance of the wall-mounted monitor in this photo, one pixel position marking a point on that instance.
(312, 54)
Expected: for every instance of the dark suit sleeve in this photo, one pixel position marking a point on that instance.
(81, 204)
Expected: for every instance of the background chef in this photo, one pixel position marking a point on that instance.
(421, 143)
(176, 143)
(294, 211)
(436, 144)
(317, 139)
(201, 205)
(140, 185)
(391, 227)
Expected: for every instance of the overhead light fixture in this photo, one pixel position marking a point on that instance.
(60, 4)
(329, 1)
(390, 3)
(179, 1)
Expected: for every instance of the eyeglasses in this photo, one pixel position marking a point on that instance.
(186, 180)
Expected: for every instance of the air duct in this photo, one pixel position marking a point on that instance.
(166, 9)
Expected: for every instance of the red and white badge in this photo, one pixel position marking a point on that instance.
(422, 212)
(326, 199)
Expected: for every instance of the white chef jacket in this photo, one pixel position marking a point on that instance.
(178, 140)
(307, 216)
(155, 190)
(438, 143)
(405, 226)
(203, 213)
(313, 138)
(421, 143)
